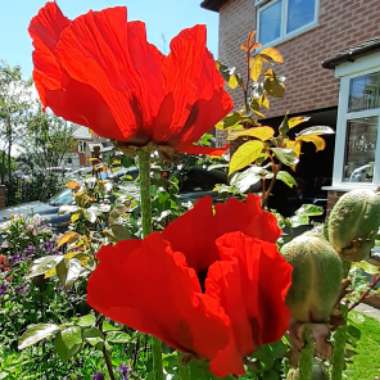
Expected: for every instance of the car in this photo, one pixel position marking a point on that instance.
(194, 183)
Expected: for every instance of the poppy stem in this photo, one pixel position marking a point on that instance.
(306, 357)
(183, 368)
(146, 216)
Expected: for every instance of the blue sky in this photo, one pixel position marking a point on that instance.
(164, 19)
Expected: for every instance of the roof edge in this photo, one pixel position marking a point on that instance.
(212, 5)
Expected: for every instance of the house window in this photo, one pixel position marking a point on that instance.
(278, 20)
(357, 146)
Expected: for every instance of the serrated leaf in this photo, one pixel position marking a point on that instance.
(261, 133)
(272, 54)
(287, 178)
(317, 130)
(67, 237)
(37, 333)
(256, 66)
(286, 156)
(318, 141)
(73, 185)
(246, 154)
(297, 120)
(69, 342)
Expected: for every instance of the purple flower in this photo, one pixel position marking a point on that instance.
(15, 259)
(98, 376)
(124, 371)
(30, 250)
(3, 289)
(49, 246)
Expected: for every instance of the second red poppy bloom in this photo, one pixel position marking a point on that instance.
(99, 71)
(212, 283)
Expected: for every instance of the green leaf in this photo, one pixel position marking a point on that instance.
(286, 156)
(354, 331)
(246, 154)
(284, 126)
(250, 177)
(43, 264)
(108, 326)
(310, 210)
(94, 337)
(118, 337)
(87, 320)
(287, 178)
(317, 130)
(36, 333)
(69, 342)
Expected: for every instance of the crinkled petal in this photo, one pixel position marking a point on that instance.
(265, 278)
(149, 287)
(65, 96)
(196, 99)
(195, 232)
(101, 50)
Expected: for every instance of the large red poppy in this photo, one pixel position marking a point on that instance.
(100, 71)
(212, 284)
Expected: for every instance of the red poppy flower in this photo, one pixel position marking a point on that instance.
(99, 71)
(212, 284)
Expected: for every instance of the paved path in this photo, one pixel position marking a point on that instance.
(369, 311)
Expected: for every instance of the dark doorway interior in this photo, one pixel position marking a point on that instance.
(314, 170)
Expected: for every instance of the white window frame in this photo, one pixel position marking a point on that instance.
(284, 36)
(345, 72)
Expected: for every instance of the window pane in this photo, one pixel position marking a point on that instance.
(300, 13)
(360, 149)
(270, 23)
(364, 92)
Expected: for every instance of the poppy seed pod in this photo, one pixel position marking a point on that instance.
(353, 224)
(317, 276)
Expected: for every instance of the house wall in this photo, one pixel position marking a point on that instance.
(342, 23)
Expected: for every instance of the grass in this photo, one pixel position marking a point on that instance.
(366, 364)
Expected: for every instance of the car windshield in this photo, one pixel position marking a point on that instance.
(65, 197)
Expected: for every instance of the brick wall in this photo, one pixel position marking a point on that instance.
(342, 23)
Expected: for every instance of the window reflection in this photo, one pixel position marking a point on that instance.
(270, 23)
(360, 149)
(300, 13)
(364, 92)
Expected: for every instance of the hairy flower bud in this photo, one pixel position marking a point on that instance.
(353, 224)
(317, 276)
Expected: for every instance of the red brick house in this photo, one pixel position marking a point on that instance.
(345, 36)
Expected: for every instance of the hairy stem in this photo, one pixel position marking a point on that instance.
(306, 357)
(146, 215)
(337, 360)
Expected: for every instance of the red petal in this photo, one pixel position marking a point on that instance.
(248, 217)
(265, 278)
(209, 151)
(196, 99)
(149, 287)
(195, 232)
(102, 50)
(68, 98)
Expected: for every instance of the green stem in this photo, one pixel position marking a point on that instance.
(306, 357)
(183, 369)
(337, 360)
(146, 215)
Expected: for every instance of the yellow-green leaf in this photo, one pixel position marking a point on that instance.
(246, 154)
(264, 102)
(295, 146)
(233, 82)
(73, 185)
(297, 120)
(256, 67)
(66, 238)
(318, 141)
(261, 133)
(273, 54)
